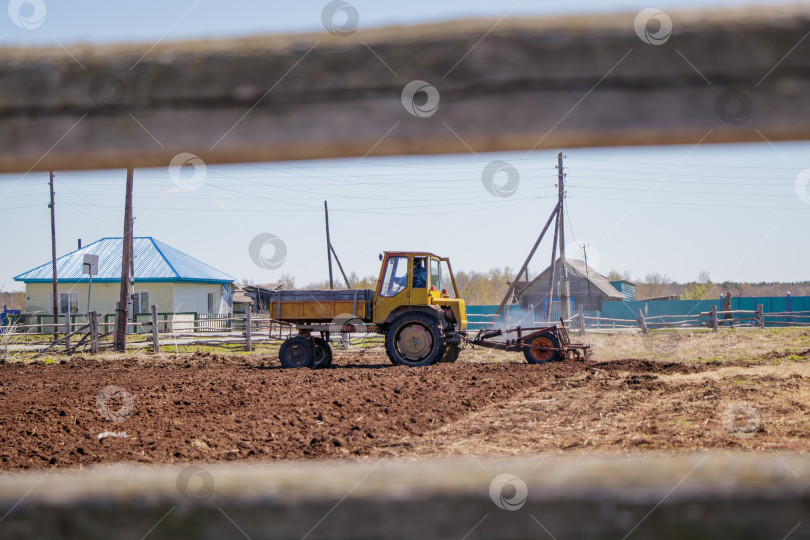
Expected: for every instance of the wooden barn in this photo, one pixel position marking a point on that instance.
(588, 287)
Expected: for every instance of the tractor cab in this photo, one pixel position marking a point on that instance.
(414, 279)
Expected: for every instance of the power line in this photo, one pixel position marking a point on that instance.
(658, 173)
(701, 165)
(693, 204)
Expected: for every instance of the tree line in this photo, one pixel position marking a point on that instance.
(490, 286)
(657, 285)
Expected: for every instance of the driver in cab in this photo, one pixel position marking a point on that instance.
(419, 275)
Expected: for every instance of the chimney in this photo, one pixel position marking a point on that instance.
(80, 243)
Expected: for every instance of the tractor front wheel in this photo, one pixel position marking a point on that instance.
(540, 349)
(415, 339)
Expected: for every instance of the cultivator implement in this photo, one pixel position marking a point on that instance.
(538, 345)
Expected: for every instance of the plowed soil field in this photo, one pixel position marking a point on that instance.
(206, 408)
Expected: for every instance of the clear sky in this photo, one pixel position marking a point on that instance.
(741, 212)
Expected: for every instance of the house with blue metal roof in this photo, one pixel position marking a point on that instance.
(163, 276)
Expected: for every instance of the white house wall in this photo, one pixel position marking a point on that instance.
(168, 297)
(193, 298)
(104, 296)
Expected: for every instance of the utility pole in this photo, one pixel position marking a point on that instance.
(525, 268)
(587, 272)
(332, 252)
(328, 244)
(132, 267)
(53, 262)
(563, 288)
(122, 311)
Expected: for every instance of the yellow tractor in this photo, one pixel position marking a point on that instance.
(413, 306)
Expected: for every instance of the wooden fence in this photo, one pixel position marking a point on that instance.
(713, 319)
(250, 332)
(582, 320)
(92, 334)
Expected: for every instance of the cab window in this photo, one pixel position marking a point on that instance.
(420, 273)
(448, 283)
(435, 274)
(395, 278)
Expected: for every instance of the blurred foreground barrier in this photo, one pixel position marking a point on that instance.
(728, 75)
(686, 496)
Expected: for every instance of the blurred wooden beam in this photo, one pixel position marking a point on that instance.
(530, 83)
(729, 495)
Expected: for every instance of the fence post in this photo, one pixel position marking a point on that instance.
(714, 318)
(641, 322)
(155, 338)
(92, 320)
(117, 314)
(67, 331)
(581, 320)
(248, 341)
(760, 316)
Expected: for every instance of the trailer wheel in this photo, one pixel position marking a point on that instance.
(415, 339)
(452, 353)
(297, 352)
(323, 354)
(535, 355)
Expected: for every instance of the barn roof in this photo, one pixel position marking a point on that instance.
(154, 261)
(578, 268)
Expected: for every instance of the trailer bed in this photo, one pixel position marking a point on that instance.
(310, 306)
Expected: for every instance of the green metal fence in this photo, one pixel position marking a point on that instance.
(679, 308)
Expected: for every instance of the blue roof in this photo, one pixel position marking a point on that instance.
(154, 261)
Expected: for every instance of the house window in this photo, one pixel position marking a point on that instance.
(68, 303)
(211, 299)
(140, 302)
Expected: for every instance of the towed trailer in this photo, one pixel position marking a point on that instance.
(422, 321)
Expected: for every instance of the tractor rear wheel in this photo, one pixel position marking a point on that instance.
(536, 355)
(323, 354)
(415, 339)
(297, 352)
(451, 355)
